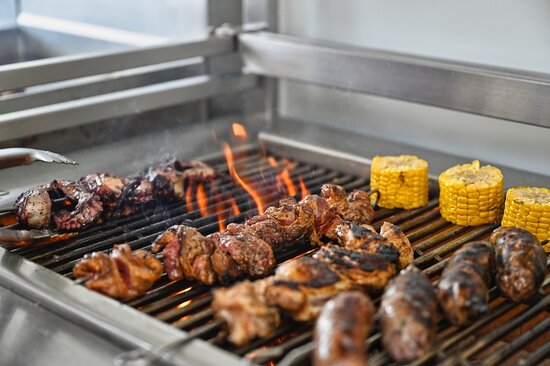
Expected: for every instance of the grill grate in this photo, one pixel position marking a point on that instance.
(520, 331)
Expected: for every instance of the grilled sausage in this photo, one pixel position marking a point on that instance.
(520, 262)
(342, 329)
(463, 291)
(407, 315)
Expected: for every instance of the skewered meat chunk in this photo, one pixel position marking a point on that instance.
(269, 230)
(353, 236)
(296, 221)
(123, 275)
(335, 196)
(520, 262)
(325, 219)
(395, 235)
(186, 254)
(34, 207)
(106, 186)
(302, 286)
(372, 268)
(463, 290)
(359, 208)
(245, 311)
(407, 315)
(226, 269)
(87, 210)
(342, 330)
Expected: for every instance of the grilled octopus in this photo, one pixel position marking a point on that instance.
(520, 262)
(342, 329)
(407, 315)
(463, 290)
(34, 207)
(87, 210)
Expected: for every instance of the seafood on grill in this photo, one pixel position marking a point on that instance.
(520, 262)
(408, 315)
(103, 196)
(463, 290)
(342, 330)
(122, 274)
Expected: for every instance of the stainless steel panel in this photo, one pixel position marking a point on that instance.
(503, 93)
(68, 67)
(73, 113)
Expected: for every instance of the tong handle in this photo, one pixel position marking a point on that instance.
(18, 156)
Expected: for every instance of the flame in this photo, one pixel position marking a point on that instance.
(303, 189)
(239, 130)
(247, 187)
(222, 215)
(235, 207)
(290, 187)
(189, 198)
(202, 200)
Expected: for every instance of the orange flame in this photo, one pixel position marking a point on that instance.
(247, 187)
(290, 187)
(303, 189)
(222, 215)
(239, 130)
(202, 200)
(189, 198)
(235, 207)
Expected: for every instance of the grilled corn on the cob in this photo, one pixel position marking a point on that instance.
(471, 195)
(401, 180)
(529, 209)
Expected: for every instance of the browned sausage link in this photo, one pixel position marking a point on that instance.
(407, 315)
(463, 291)
(342, 329)
(520, 262)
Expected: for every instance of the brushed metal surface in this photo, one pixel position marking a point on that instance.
(497, 92)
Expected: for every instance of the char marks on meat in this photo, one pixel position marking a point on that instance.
(296, 221)
(87, 210)
(396, 236)
(34, 207)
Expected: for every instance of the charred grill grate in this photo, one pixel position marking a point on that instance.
(509, 333)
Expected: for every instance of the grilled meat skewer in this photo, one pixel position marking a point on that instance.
(520, 262)
(342, 329)
(463, 290)
(407, 315)
(122, 275)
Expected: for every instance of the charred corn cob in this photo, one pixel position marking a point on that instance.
(529, 209)
(401, 180)
(471, 195)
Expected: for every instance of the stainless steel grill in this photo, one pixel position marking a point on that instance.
(508, 334)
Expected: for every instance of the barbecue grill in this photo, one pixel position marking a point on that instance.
(234, 74)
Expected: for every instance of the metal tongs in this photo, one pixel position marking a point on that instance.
(22, 156)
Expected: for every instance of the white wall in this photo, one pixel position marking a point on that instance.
(507, 33)
(7, 14)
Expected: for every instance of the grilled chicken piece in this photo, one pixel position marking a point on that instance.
(407, 315)
(342, 330)
(186, 254)
(520, 262)
(354, 207)
(335, 196)
(463, 290)
(123, 275)
(296, 221)
(254, 256)
(302, 286)
(372, 267)
(34, 207)
(353, 236)
(396, 236)
(245, 311)
(87, 209)
(325, 218)
(269, 230)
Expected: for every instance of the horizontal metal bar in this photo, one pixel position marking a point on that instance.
(496, 92)
(48, 70)
(73, 113)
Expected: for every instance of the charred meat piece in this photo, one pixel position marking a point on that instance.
(407, 315)
(269, 230)
(138, 192)
(302, 286)
(372, 268)
(396, 236)
(123, 275)
(254, 256)
(87, 206)
(325, 218)
(342, 330)
(186, 254)
(106, 186)
(195, 170)
(296, 221)
(353, 236)
(245, 311)
(520, 262)
(225, 267)
(463, 290)
(360, 208)
(335, 196)
(34, 207)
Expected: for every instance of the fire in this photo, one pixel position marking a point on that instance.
(239, 130)
(303, 189)
(202, 200)
(235, 207)
(189, 198)
(222, 215)
(285, 177)
(247, 187)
